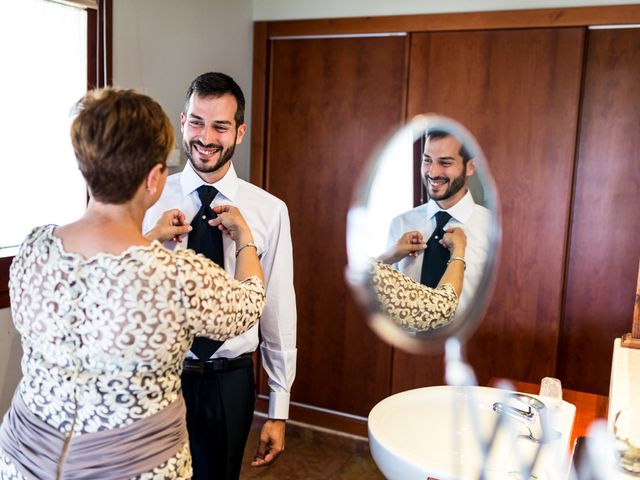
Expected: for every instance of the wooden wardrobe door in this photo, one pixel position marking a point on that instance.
(518, 92)
(605, 229)
(331, 101)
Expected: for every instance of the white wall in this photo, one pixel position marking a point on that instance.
(304, 9)
(159, 46)
(10, 355)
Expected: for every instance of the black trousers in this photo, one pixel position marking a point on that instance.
(219, 414)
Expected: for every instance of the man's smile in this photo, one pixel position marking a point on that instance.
(208, 150)
(437, 182)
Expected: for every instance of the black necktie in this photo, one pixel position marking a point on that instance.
(206, 240)
(436, 256)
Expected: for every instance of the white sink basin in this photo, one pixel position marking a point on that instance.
(428, 432)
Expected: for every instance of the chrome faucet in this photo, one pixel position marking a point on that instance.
(532, 416)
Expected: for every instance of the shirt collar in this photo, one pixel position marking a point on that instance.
(461, 211)
(227, 185)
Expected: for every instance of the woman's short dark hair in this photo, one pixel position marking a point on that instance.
(118, 136)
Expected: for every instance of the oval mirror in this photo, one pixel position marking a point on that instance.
(432, 163)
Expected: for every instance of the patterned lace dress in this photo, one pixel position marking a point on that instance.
(408, 303)
(104, 338)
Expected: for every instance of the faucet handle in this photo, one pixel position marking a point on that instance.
(531, 402)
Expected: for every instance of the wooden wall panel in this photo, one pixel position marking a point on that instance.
(605, 230)
(5, 263)
(330, 103)
(518, 92)
(543, 17)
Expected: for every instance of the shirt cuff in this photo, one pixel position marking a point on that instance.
(279, 405)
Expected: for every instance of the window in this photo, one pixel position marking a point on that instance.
(49, 58)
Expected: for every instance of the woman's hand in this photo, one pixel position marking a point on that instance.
(231, 222)
(410, 244)
(455, 240)
(170, 226)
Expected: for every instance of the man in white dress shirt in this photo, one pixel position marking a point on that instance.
(446, 167)
(220, 390)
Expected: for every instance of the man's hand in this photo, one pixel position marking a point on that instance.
(271, 443)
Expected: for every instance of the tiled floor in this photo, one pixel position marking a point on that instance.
(313, 455)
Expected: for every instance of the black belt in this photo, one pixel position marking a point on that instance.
(216, 364)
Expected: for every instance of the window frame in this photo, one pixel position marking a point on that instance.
(99, 56)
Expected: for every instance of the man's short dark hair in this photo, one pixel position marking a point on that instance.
(216, 84)
(436, 134)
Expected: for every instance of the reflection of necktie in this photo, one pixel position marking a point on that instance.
(206, 240)
(436, 256)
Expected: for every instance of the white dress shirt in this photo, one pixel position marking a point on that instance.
(268, 218)
(474, 219)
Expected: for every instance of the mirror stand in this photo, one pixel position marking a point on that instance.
(458, 373)
(632, 340)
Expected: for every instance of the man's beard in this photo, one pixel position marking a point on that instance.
(223, 158)
(454, 186)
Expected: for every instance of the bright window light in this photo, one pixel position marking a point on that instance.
(43, 51)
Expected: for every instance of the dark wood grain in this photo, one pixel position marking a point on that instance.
(518, 92)
(547, 17)
(632, 339)
(258, 97)
(604, 249)
(330, 104)
(99, 42)
(532, 159)
(635, 329)
(5, 263)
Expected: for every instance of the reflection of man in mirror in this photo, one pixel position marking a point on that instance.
(446, 168)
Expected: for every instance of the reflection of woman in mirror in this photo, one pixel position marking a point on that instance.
(106, 315)
(409, 303)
